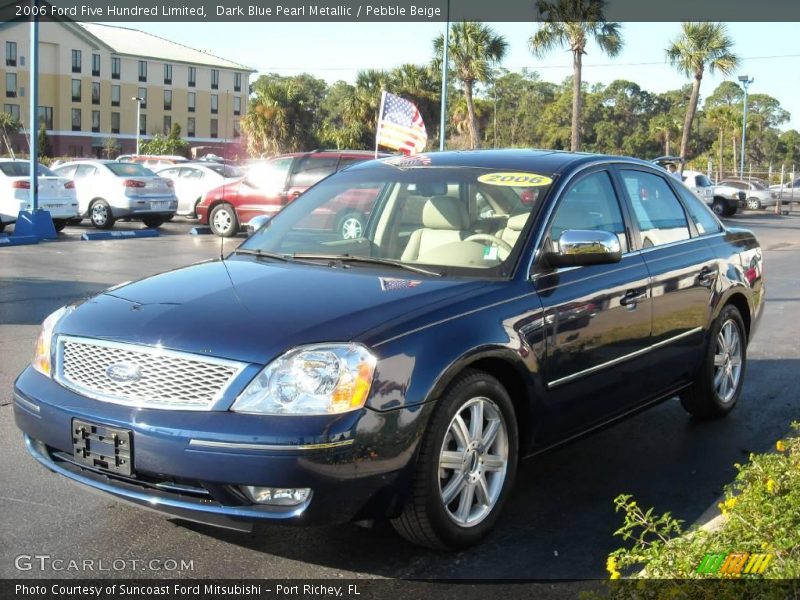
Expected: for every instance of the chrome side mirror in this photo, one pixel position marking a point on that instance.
(579, 247)
(257, 223)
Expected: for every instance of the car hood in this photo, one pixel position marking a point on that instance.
(250, 310)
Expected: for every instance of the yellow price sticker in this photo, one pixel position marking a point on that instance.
(515, 179)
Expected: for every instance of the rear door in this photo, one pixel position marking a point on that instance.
(309, 170)
(86, 187)
(682, 270)
(262, 191)
(597, 318)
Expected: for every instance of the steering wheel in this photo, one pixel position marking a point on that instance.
(488, 237)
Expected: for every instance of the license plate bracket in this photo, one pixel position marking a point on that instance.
(102, 447)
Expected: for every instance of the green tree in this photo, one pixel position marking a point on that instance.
(280, 119)
(701, 47)
(111, 147)
(473, 49)
(170, 144)
(43, 142)
(9, 127)
(572, 23)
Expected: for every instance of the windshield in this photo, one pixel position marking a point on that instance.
(459, 220)
(703, 181)
(23, 169)
(757, 185)
(224, 170)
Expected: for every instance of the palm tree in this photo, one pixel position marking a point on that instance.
(474, 48)
(700, 47)
(573, 23)
(662, 127)
(279, 119)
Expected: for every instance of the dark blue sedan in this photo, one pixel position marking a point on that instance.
(494, 304)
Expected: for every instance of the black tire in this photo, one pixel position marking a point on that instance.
(220, 215)
(426, 520)
(754, 204)
(59, 224)
(703, 398)
(153, 222)
(100, 215)
(75, 221)
(351, 225)
(719, 208)
(729, 211)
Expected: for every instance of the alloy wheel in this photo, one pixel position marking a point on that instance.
(728, 361)
(222, 221)
(99, 214)
(351, 228)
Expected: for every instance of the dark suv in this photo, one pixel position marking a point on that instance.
(272, 184)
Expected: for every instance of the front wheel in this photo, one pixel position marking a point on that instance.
(351, 226)
(466, 467)
(223, 221)
(718, 383)
(753, 204)
(719, 208)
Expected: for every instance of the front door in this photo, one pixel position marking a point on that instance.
(597, 318)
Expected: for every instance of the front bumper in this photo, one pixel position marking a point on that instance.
(191, 464)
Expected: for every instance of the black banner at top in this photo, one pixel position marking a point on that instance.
(388, 10)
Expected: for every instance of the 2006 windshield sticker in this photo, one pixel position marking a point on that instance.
(515, 179)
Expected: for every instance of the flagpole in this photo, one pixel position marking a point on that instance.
(443, 117)
(380, 118)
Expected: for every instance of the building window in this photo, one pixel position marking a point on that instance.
(142, 124)
(116, 68)
(192, 98)
(214, 79)
(11, 54)
(45, 114)
(237, 82)
(114, 122)
(114, 95)
(76, 61)
(76, 90)
(13, 110)
(96, 121)
(190, 127)
(167, 124)
(237, 105)
(76, 119)
(142, 70)
(95, 65)
(167, 99)
(192, 77)
(214, 128)
(168, 74)
(214, 104)
(95, 93)
(237, 128)
(11, 85)
(143, 96)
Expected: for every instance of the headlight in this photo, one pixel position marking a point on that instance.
(311, 380)
(42, 354)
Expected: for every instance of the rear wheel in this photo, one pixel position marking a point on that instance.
(59, 224)
(466, 466)
(153, 222)
(100, 215)
(223, 220)
(718, 383)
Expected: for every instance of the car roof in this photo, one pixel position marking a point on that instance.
(544, 161)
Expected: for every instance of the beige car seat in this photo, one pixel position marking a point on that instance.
(444, 220)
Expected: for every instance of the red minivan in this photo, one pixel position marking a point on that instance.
(271, 184)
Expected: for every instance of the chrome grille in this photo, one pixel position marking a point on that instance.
(164, 378)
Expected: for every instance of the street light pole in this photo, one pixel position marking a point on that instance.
(443, 117)
(34, 108)
(745, 81)
(138, 120)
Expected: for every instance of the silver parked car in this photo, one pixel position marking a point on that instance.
(56, 195)
(109, 190)
(193, 179)
(757, 194)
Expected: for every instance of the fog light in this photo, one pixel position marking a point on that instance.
(276, 496)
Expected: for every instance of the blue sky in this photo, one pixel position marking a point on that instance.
(770, 52)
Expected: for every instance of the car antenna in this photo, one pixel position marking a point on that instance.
(225, 125)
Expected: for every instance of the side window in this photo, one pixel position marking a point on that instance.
(659, 213)
(312, 169)
(192, 173)
(270, 175)
(346, 162)
(704, 220)
(591, 204)
(85, 171)
(68, 172)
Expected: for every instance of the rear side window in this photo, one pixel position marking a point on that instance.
(656, 208)
(702, 181)
(67, 172)
(312, 169)
(591, 204)
(704, 220)
(85, 171)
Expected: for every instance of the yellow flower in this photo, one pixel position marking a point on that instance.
(616, 575)
(730, 503)
(771, 486)
(611, 565)
(780, 446)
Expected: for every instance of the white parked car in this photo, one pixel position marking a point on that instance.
(193, 179)
(56, 194)
(109, 190)
(724, 200)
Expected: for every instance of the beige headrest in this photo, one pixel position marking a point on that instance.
(517, 223)
(445, 212)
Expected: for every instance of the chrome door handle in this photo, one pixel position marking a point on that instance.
(632, 297)
(706, 277)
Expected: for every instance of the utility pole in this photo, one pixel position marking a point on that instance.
(745, 81)
(138, 101)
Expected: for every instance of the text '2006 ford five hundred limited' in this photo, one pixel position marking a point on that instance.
(495, 304)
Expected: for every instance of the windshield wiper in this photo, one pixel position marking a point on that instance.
(369, 259)
(264, 253)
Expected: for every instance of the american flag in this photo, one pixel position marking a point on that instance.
(391, 283)
(400, 125)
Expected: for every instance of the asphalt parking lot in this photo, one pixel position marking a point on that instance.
(558, 524)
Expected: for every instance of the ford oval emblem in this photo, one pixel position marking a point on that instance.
(123, 372)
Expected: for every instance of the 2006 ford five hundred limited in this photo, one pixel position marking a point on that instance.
(495, 303)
